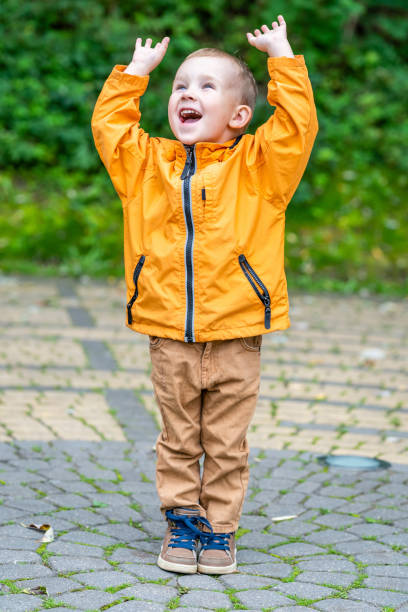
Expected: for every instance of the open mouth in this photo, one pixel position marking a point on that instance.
(189, 115)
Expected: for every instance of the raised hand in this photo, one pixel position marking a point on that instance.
(145, 57)
(273, 41)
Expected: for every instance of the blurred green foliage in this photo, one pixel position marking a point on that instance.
(346, 225)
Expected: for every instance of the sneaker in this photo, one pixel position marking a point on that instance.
(218, 553)
(178, 551)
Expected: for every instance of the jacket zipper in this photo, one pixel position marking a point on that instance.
(136, 274)
(188, 171)
(264, 297)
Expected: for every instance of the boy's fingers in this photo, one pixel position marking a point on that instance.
(258, 32)
(148, 43)
(264, 28)
(138, 43)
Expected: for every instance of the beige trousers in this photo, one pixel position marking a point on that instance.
(206, 393)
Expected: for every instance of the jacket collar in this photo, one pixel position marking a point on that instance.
(205, 152)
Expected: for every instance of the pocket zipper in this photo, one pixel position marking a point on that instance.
(264, 297)
(136, 274)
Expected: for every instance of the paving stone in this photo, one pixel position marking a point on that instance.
(396, 571)
(19, 544)
(327, 563)
(18, 602)
(325, 578)
(138, 606)
(293, 527)
(386, 557)
(87, 600)
(343, 605)
(54, 585)
(68, 500)
(274, 570)
(258, 540)
(81, 550)
(293, 609)
(388, 514)
(254, 522)
(337, 520)
(253, 556)
(241, 581)
(201, 581)
(305, 590)
(398, 539)
(296, 549)
(122, 532)
(14, 556)
(195, 598)
(386, 583)
(82, 517)
(329, 536)
(87, 538)
(262, 598)
(13, 571)
(371, 529)
(381, 598)
(132, 555)
(109, 578)
(152, 592)
(361, 547)
(150, 572)
(77, 564)
(9, 514)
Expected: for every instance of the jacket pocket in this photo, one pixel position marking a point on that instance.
(136, 273)
(256, 285)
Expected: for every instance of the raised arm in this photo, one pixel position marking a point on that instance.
(122, 145)
(283, 144)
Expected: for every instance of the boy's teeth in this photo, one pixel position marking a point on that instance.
(187, 114)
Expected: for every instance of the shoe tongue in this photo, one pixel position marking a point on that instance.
(186, 511)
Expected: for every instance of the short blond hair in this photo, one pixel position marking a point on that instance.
(249, 89)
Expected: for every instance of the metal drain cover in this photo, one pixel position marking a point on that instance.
(353, 462)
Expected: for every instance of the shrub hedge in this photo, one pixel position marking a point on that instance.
(347, 221)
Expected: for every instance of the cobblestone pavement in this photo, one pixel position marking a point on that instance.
(77, 430)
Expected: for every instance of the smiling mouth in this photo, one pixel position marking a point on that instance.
(189, 115)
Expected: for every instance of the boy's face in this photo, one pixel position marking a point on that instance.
(204, 100)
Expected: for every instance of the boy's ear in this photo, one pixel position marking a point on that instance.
(241, 117)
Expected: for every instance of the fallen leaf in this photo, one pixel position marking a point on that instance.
(48, 535)
(284, 518)
(38, 590)
(36, 526)
(43, 528)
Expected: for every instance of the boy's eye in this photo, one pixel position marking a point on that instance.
(208, 85)
(180, 86)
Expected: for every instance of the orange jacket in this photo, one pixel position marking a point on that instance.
(204, 225)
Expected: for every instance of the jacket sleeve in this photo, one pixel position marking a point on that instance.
(283, 144)
(122, 145)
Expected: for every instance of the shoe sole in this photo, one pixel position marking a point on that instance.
(176, 567)
(217, 569)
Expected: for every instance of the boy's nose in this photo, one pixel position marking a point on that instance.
(189, 94)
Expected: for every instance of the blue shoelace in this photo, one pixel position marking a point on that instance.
(215, 541)
(185, 533)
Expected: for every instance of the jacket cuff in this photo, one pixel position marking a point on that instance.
(275, 63)
(133, 80)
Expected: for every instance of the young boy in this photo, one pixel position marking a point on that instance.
(204, 235)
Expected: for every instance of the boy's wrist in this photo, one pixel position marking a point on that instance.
(281, 50)
(137, 69)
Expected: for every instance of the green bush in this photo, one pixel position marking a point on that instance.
(346, 222)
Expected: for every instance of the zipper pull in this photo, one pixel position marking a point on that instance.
(267, 303)
(188, 167)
